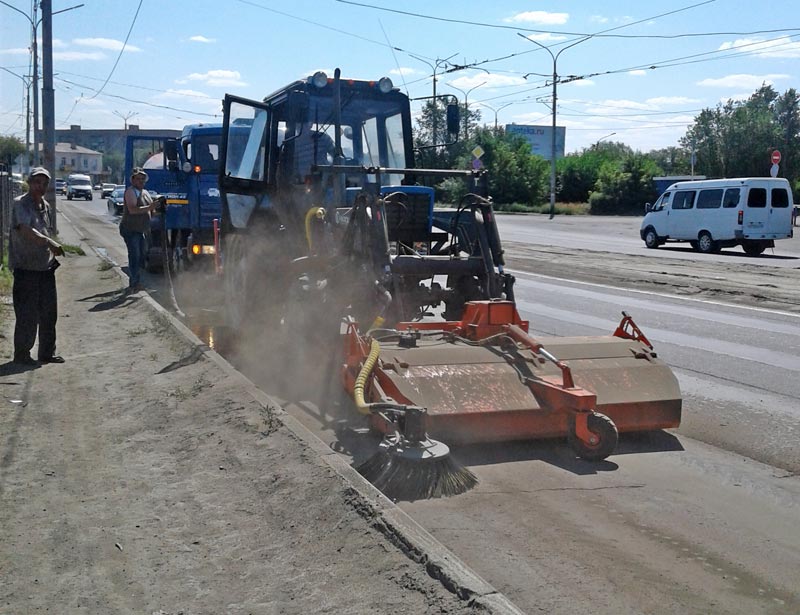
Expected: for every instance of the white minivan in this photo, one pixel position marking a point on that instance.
(751, 212)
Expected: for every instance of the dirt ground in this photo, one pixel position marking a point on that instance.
(138, 477)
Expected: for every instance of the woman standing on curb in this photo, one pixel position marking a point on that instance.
(135, 224)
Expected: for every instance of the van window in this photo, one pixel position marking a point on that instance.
(780, 198)
(709, 199)
(757, 197)
(683, 199)
(731, 197)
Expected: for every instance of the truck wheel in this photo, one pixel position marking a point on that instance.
(69, 197)
(603, 429)
(650, 238)
(753, 249)
(706, 244)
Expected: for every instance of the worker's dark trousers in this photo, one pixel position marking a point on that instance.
(35, 307)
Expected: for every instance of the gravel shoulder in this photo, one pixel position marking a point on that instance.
(734, 282)
(138, 477)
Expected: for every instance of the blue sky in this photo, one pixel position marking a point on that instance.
(645, 83)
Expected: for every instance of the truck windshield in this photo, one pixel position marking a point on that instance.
(204, 153)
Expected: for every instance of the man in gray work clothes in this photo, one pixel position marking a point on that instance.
(31, 256)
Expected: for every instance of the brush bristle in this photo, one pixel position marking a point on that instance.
(400, 478)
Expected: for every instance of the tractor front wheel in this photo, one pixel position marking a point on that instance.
(603, 439)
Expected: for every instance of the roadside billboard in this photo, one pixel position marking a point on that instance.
(540, 138)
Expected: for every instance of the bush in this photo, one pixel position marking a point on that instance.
(624, 188)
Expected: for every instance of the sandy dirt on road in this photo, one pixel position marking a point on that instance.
(136, 478)
(735, 282)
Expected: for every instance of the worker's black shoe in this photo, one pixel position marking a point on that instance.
(54, 359)
(25, 360)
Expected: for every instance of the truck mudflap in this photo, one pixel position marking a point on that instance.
(506, 386)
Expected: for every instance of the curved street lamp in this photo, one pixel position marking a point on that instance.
(496, 110)
(555, 97)
(466, 105)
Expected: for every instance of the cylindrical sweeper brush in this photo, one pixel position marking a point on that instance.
(409, 464)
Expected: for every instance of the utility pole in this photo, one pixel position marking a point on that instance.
(35, 78)
(434, 68)
(125, 117)
(496, 111)
(49, 107)
(555, 100)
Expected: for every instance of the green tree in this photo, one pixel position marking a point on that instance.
(736, 138)
(624, 187)
(10, 149)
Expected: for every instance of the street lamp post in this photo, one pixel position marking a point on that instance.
(555, 98)
(597, 143)
(496, 111)
(466, 105)
(434, 68)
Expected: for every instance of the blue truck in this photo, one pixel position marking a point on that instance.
(184, 171)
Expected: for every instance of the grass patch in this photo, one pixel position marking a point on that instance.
(563, 209)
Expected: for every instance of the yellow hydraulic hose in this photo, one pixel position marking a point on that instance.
(319, 212)
(361, 381)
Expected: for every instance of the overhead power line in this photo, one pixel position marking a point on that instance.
(121, 51)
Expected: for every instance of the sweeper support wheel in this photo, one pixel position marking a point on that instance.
(593, 436)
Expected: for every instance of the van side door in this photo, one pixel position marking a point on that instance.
(756, 212)
(681, 220)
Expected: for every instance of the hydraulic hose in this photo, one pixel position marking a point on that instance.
(319, 212)
(361, 380)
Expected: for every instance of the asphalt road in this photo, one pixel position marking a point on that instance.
(699, 520)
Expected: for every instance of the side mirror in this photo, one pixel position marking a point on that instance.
(171, 150)
(648, 207)
(296, 107)
(453, 119)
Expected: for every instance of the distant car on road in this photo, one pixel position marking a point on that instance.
(79, 186)
(106, 190)
(61, 185)
(115, 201)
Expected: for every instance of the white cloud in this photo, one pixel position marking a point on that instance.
(783, 47)
(105, 43)
(613, 107)
(16, 51)
(546, 37)
(637, 73)
(183, 93)
(219, 77)
(490, 81)
(404, 71)
(581, 83)
(202, 39)
(598, 19)
(660, 101)
(736, 97)
(752, 82)
(75, 56)
(541, 18)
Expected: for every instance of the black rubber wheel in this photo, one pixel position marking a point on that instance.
(607, 437)
(69, 197)
(706, 244)
(753, 249)
(650, 238)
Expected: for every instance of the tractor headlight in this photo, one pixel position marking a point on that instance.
(385, 85)
(319, 79)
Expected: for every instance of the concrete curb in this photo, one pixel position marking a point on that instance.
(382, 514)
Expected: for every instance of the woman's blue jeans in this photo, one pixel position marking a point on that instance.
(136, 254)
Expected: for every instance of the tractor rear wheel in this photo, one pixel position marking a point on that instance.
(604, 432)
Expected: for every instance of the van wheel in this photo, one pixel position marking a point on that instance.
(651, 239)
(753, 249)
(706, 244)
